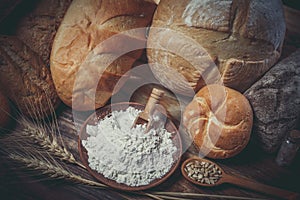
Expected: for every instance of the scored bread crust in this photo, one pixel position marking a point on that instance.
(242, 38)
(220, 121)
(86, 25)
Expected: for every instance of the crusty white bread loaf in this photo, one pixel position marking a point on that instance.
(219, 119)
(81, 44)
(242, 38)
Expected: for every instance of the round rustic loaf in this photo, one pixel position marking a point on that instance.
(240, 40)
(5, 111)
(220, 121)
(86, 59)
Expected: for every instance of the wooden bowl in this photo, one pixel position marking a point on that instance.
(100, 114)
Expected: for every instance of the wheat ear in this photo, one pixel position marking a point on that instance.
(39, 136)
(39, 131)
(58, 172)
(53, 171)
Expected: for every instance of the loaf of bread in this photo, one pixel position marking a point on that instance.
(90, 53)
(38, 27)
(229, 42)
(25, 79)
(275, 100)
(219, 119)
(5, 111)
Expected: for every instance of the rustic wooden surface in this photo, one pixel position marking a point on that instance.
(17, 183)
(252, 163)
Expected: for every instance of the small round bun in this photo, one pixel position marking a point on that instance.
(5, 111)
(220, 121)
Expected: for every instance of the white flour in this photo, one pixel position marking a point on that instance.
(128, 156)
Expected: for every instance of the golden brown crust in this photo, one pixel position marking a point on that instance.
(25, 79)
(220, 120)
(78, 46)
(242, 38)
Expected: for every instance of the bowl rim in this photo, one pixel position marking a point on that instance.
(113, 183)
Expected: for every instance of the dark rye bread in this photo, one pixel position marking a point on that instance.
(25, 79)
(243, 39)
(38, 27)
(275, 100)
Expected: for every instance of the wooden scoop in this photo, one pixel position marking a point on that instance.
(217, 176)
(144, 116)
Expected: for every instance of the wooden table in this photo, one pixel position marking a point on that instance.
(16, 182)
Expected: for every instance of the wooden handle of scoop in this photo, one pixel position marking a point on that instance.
(259, 187)
(154, 98)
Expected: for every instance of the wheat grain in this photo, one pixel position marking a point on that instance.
(40, 136)
(53, 171)
(58, 172)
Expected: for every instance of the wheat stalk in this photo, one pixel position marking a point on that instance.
(40, 137)
(58, 172)
(53, 171)
(44, 135)
(43, 132)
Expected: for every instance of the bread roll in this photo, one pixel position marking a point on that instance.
(232, 42)
(5, 111)
(25, 79)
(84, 49)
(220, 121)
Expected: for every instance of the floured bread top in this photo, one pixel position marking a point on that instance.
(216, 17)
(242, 38)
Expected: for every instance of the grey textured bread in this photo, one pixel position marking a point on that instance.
(80, 50)
(38, 28)
(275, 100)
(25, 79)
(233, 42)
(219, 119)
(5, 111)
